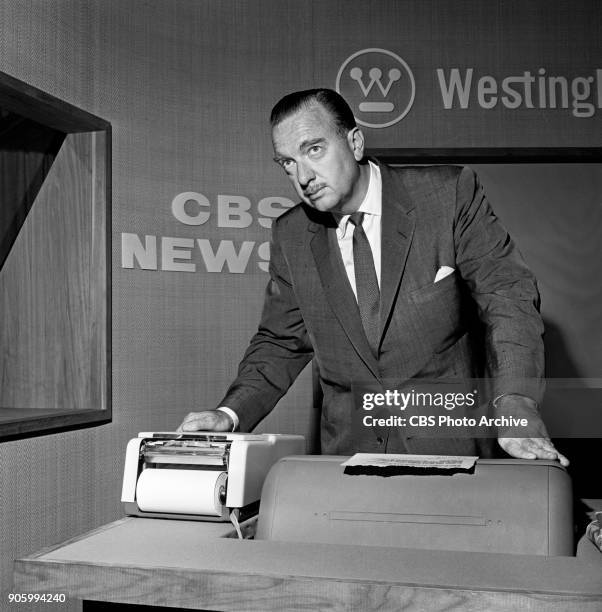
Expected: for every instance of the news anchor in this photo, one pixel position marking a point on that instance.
(370, 275)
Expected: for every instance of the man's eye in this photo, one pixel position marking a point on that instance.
(286, 163)
(314, 150)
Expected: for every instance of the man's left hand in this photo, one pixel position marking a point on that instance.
(532, 448)
(536, 446)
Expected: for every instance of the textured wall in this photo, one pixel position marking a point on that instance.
(186, 85)
(52, 487)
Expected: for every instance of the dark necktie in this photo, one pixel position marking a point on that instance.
(366, 283)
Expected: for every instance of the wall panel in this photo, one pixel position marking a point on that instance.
(187, 86)
(52, 319)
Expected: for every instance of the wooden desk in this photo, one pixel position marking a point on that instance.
(192, 565)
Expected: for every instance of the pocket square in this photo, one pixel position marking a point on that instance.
(442, 272)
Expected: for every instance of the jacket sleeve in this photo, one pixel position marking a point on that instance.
(277, 352)
(505, 292)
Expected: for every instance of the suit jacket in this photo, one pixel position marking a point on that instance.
(431, 217)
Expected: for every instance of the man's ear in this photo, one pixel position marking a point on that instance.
(355, 139)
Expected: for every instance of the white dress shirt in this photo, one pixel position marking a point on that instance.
(371, 206)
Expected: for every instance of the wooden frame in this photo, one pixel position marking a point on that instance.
(86, 166)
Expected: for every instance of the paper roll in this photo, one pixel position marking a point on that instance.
(180, 491)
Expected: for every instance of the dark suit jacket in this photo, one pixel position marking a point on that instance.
(431, 217)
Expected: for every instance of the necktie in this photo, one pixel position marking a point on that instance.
(368, 294)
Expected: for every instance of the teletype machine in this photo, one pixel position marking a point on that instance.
(501, 505)
(204, 476)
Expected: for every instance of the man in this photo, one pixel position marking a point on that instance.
(384, 295)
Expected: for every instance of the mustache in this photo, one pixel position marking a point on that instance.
(313, 189)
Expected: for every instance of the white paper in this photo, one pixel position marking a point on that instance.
(445, 462)
(180, 491)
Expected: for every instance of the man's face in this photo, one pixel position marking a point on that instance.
(321, 164)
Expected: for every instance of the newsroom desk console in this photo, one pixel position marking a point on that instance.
(192, 565)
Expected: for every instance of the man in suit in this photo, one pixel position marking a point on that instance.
(377, 274)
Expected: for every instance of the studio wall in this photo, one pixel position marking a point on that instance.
(187, 86)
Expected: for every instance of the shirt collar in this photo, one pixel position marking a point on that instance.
(371, 204)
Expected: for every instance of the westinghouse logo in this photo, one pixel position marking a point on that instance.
(380, 88)
(378, 85)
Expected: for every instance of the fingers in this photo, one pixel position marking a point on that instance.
(549, 448)
(208, 420)
(532, 448)
(563, 460)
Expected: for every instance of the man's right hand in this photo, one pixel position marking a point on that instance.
(208, 420)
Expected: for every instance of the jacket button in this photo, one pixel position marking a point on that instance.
(379, 440)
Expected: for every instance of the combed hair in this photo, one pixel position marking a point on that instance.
(333, 102)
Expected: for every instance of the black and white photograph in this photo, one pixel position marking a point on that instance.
(300, 305)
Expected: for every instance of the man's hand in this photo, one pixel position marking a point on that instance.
(537, 445)
(532, 448)
(208, 420)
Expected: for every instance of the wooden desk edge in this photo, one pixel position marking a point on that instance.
(223, 590)
(229, 591)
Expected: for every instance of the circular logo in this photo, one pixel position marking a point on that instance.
(378, 85)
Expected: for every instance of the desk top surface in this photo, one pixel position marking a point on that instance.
(204, 547)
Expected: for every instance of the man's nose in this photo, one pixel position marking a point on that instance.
(304, 174)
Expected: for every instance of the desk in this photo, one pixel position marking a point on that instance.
(193, 565)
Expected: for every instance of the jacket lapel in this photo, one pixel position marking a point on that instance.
(337, 289)
(397, 230)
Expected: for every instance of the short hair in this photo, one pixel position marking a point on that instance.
(333, 102)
